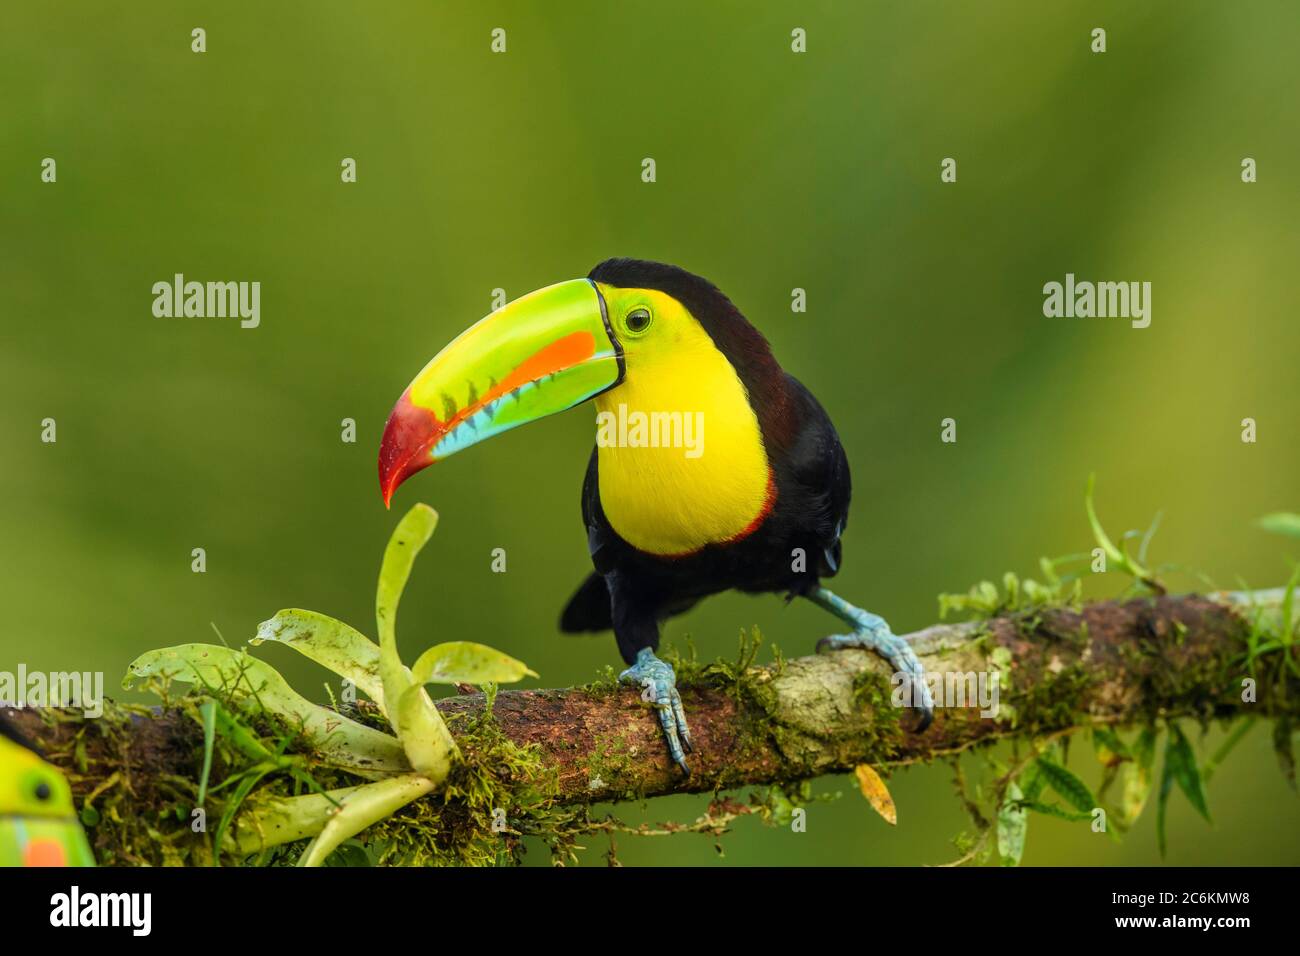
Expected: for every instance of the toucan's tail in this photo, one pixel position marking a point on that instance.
(588, 609)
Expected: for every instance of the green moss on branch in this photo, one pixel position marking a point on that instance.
(535, 762)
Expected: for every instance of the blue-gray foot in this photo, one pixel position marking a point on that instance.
(659, 687)
(872, 633)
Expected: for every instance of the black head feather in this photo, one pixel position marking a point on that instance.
(731, 332)
(10, 732)
(742, 344)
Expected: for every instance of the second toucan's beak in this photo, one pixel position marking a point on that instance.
(541, 354)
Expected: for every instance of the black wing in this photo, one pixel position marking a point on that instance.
(589, 608)
(818, 463)
(601, 540)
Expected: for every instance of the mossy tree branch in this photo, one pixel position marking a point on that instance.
(1109, 663)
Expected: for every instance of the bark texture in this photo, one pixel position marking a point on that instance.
(1109, 663)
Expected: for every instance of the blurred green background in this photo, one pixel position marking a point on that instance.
(775, 170)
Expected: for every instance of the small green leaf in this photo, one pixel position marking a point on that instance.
(1034, 782)
(1055, 810)
(1180, 757)
(1137, 776)
(361, 808)
(1098, 532)
(235, 801)
(239, 735)
(457, 662)
(208, 709)
(1281, 522)
(1075, 791)
(330, 643)
(1117, 557)
(779, 805)
(410, 535)
(1110, 749)
(428, 743)
(408, 539)
(1162, 801)
(1013, 823)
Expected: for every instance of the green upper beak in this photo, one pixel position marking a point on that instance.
(545, 352)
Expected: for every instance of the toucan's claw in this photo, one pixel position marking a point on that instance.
(659, 684)
(872, 633)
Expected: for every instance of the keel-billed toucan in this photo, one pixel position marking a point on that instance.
(757, 502)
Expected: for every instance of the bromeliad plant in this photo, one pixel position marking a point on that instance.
(402, 767)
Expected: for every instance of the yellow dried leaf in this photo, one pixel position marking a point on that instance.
(877, 794)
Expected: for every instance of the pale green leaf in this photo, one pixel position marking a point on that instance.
(330, 643)
(457, 662)
(363, 807)
(408, 538)
(1137, 776)
(410, 535)
(255, 685)
(270, 821)
(1281, 522)
(1013, 823)
(428, 743)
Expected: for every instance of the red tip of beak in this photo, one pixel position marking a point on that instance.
(408, 437)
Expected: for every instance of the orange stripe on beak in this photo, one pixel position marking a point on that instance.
(413, 431)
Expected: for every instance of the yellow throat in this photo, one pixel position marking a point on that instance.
(708, 483)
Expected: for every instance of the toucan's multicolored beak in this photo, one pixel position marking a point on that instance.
(543, 353)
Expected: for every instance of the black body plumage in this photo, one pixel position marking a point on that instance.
(797, 542)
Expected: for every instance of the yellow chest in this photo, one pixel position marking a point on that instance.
(681, 457)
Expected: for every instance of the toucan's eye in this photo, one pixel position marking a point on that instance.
(637, 321)
(42, 791)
